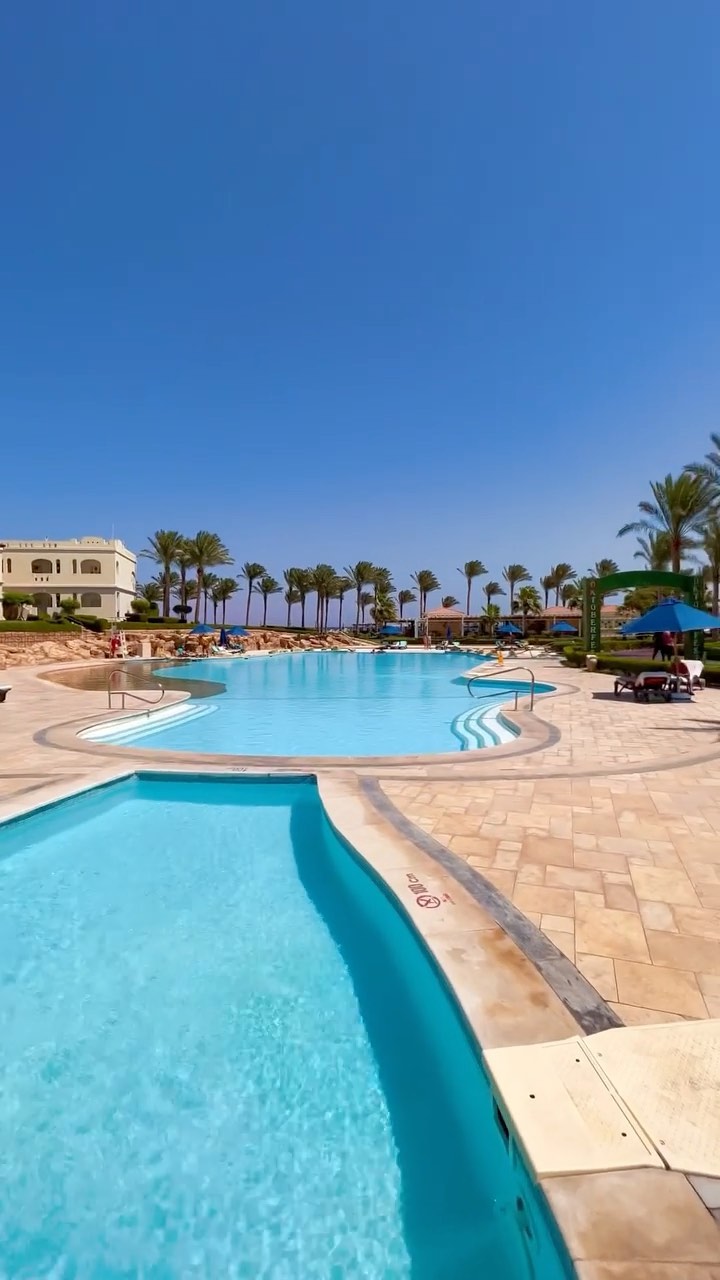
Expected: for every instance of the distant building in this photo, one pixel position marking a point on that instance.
(441, 623)
(97, 572)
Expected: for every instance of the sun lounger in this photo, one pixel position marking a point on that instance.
(4, 691)
(642, 685)
(687, 674)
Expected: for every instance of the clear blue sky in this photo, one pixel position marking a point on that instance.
(411, 282)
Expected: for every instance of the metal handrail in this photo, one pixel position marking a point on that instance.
(129, 693)
(506, 672)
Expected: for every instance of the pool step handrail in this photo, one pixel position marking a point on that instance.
(130, 693)
(505, 671)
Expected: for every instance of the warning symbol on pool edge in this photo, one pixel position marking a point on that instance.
(427, 900)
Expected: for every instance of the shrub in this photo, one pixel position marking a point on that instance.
(13, 603)
(612, 662)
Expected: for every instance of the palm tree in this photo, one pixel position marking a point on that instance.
(360, 576)
(679, 506)
(341, 587)
(151, 592)
(224, 590)
(383, 609)
(711, 547)
(303, 586)
(547, 583)
(251, 571)
(471, 569)
(163, 548)
(491, 612)
(323, 579)
(205, 551)
(210, 581)
(492, 589)
(528, 599)
(709, 470)
(654, 550)
(513, 575)
(572, 594)
(425, 581)
(381, 582)
(184, 561)
(366, 598)
(291, 597)
(290, 576)
(405, 597)
(266, 586)
(560, 574)
(603, 569)
(449, 602)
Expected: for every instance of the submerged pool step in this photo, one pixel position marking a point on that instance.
(147, 723)
(482, 727)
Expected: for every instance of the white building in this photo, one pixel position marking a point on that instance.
(97, 572)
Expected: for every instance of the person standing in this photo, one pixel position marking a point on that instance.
(658, 645)
(667, 646)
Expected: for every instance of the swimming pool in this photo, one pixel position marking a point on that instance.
(329, 704)
(224, 1053)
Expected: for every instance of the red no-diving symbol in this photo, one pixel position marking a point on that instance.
(427, 900)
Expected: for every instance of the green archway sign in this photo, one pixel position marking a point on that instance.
(690, 585)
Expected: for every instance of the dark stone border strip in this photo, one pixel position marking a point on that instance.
(580, 998)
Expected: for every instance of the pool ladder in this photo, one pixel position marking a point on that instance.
(124, 692)
(506, 671)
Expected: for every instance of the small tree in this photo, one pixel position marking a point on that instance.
(14, 604)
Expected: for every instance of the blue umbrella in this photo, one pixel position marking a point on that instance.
(508, 629)
(202, 629)
(391, 629)
(564, 628)
(672, 615)
(238, 631)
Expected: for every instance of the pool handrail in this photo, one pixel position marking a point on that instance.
(505, 671)
(130, 693)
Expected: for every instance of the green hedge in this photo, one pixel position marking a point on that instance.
(43, 627)
(612, 663)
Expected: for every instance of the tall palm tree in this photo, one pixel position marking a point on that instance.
(184, 561)
(383, 609)
(381, 581)
(210, 581)
(471, 569)
(224, 590)
(360, 575)
(163, 548)
(560, 574)
(366, 598)
(711, 547)
(491, 612)
(251, 571)
(150, 592)
(405, 597)
(341, 587)
(492, 589)
(514, 574)
(679, 506)
(449, 602)
(603, 569)
(266, 586)
(205, 551)
(547, 583)
(425, 581)
(323, 579)
(290, 576)
(709, 470)
(303, 586)
(528, 599)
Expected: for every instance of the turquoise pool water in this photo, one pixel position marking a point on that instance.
(223, 1054)
(322, 704)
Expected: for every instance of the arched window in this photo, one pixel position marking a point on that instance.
(41, 566)
(90, 566)
(43, 601)
(90, 600)
(57, 566)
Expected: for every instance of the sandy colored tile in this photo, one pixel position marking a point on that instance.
(658, 915)
(600, 971)
(562, 924)
(698, 922)
(547, 850)
(595, 824)
(617, 877)
(624, 845)
(633, 1016)
(621, 897)
(709, 983)
(503, 880)
(563, 941)
(664, 884)
(596, 860)
(534, 917)
(585, 899)
(574, 878)
(530, 873)
(506, 859)
(605, 932)
(653, 987)
(675, 951)
(557, 902)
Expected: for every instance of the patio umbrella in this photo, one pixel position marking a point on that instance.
(508, 629)
(238, 631)
(671, 615)
(391, 629)
(202, 629)
(564, 628)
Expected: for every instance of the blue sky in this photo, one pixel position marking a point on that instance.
(407, 282)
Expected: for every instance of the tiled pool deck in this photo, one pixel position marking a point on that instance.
(578, 877)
